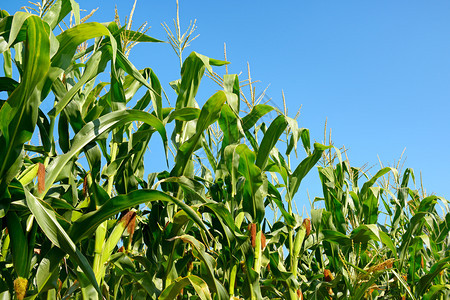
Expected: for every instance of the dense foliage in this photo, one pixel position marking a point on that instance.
(83, 217)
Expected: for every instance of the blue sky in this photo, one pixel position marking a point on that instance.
(379, 71)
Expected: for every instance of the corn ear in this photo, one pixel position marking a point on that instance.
(116, 234)
(299, 237)
(100, 235)
(126, 222)
(28, 174)
(298, 242)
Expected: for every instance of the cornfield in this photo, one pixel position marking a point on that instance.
(82, 217)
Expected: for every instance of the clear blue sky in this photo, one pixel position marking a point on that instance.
(378, 70)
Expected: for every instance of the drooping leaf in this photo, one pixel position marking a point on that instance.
(269, 140)
(95, 128)
(173, 290)
(57, 235)
(209, 114)
(254, 188)
(304, 167)
(86, 224)
(210, 263)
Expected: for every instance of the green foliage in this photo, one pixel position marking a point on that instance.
(82, 216)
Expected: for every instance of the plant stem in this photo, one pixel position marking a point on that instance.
(232, 280)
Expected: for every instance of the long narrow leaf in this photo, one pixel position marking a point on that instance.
(53, 230)
(95, 128)
(85, 225)
(18, 115)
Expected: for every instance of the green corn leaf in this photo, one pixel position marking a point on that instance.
(385, 238)
(69, 41)
(303, 134)
(132, 84)
(28, 174)
(415, 226)
(95, 128)
(46, 219)
(140, 37)
(228, 122)
(371, 182)
(115, 236)
(191, 74)
(208, 115)
(444, 229)
(435, 291)
(86, 224)
(365, 233)
(47, 271)
(336, 237)
(276, 197)
(231, 85)
(87, 290)
(256, 113)
(94, 66)
(369, 195)
(19, 244)
(154, 87)
(304, 167)
(7, 69)
(362, 289)
(254, 188)
(185, 114)
(8, 84)
(17, 31)
(173, 290)
(404, 284)
(269, 140)
(426, 280)
(231, 230)
(210, 264)
(58, 11)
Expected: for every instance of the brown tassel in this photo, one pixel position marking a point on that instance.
(41, 178)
